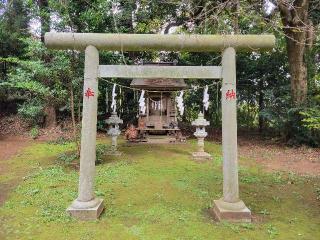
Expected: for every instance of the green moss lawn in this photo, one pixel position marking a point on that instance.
(154, 192)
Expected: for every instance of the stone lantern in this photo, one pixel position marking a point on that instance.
(114, 132)
(200, 134)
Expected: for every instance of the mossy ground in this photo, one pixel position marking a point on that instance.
(155, 192)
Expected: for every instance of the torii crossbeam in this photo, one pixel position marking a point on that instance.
(229, 207)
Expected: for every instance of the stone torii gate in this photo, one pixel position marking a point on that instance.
(229, 207)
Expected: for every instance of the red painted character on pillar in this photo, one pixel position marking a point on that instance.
(230, 94)
(89, 93)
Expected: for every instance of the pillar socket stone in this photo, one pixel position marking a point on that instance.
(85, 211)
(232, 212)
(200, 123)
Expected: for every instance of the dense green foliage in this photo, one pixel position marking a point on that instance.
(44, 78)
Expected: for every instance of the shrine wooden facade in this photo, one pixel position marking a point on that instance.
(161, 112)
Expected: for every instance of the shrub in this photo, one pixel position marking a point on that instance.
(295, 125)
(311, 118)
(31, 111)
(67, 158)
(101, 150)
(34, 132)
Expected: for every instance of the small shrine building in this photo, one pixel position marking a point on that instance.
(161, 113)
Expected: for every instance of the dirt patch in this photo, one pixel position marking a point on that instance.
(279, 157)
(9, 147)
(6, 188)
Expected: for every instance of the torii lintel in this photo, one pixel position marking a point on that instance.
(159, 42)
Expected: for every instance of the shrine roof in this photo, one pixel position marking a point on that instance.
(159, 84)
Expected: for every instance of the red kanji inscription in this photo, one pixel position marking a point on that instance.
(230, 94)
(89, 93)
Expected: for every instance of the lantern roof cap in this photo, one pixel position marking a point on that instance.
(114, 119)
(200, 121)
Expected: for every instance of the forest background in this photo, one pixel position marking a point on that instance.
(278, 91)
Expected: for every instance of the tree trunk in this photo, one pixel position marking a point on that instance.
(235, 18)
(44, 17)
(79, 108)
(72, 110)
(50, 111)
(296, 27)
(73, 118)
(261, 105)
(50, 116)
(298, 69)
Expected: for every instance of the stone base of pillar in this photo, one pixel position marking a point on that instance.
(86, 210)
(232, 212)
(201, 156)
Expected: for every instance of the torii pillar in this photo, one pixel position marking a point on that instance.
(229, 207)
